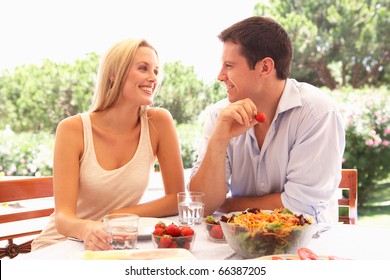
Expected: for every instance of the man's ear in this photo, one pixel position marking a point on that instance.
(265, 66)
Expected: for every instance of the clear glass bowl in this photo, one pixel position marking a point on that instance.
(185, 242)
(261, 242)
(214, 232)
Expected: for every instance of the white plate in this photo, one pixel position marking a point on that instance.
(153, 254)
(146, 226)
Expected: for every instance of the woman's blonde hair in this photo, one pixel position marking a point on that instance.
(113, 70)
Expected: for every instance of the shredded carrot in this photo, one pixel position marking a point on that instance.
(279, 222)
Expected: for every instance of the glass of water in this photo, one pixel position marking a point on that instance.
(191, 207)
(123, 229)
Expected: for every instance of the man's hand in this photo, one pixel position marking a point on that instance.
(235, 119)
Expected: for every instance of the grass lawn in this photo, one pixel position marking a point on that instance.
(377, 209)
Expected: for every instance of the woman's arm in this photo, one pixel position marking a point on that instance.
(68, 150)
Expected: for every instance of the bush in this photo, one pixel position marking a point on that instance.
(189, 135)
(26, 154)
(367, 123)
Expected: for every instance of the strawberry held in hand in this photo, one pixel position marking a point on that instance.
(260, 117)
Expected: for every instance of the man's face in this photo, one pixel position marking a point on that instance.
(240, 81)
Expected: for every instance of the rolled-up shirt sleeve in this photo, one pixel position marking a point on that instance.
(211, 118)
(314, 166)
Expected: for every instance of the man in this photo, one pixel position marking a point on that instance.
(291, 160)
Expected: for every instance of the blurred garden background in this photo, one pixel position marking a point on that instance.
(341, 46)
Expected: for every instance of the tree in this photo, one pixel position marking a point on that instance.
(183, 94)
(38, 97)
(336, 43)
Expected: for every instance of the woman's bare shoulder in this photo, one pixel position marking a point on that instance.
(156, 111)
(157, 115)
(160, 122)
(72, 124)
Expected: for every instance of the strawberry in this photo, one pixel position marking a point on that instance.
(173, 245)
(187, 231)
(160, 225)
(187, 245)
(165, 241)
(216, 232)
(173, 230)
(260, 117)
(158, 231)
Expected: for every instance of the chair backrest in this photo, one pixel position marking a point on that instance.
(349, 181)
(17, 190)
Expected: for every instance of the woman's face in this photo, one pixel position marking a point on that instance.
(142, 78)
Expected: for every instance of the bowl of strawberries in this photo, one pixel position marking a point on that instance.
(213, 230)
(173, 236)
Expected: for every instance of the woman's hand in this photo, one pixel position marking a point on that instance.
(95, 237)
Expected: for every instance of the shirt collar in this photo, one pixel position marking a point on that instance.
(290, 97)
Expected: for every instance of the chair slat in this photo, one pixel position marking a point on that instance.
(25, 188)
(18, 235)
(8, 218)
(349, 181)
(17, 190)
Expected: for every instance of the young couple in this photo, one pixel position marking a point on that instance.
(103, 158)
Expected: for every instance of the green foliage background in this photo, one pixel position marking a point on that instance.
(367, 123)
(341, 46)
(336, 42)
(39, 96)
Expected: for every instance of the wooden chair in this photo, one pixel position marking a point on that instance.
(349, 181)
(17, 190)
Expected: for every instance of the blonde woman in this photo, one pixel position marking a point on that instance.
(103, 158)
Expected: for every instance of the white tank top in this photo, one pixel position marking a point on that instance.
(100, 190)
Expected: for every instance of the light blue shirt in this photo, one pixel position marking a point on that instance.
(301, 156)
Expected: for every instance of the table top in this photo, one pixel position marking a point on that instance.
(345, 241)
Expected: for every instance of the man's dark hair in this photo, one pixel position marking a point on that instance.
(261, 37)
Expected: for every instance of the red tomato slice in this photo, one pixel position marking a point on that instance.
(307, 254)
